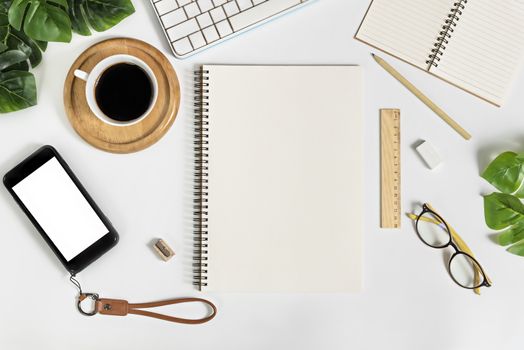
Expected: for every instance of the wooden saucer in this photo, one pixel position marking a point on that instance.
(122, 139)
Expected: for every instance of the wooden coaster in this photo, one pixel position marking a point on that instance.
(122, 139)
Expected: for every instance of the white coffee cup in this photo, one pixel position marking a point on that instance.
(92, 78)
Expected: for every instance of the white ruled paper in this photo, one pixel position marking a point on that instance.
(407, 29)
(485, 49)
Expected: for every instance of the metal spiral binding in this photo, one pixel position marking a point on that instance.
(201, 148)
(446, 33)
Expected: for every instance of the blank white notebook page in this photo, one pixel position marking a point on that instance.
(407, 29)
(486, 48)
(285, 163)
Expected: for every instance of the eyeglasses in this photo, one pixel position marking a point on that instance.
(463, 268)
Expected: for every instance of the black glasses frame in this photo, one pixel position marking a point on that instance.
(426, 209)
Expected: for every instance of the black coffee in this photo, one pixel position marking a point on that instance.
(124, 92)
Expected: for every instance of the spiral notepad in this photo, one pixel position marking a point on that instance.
(278, 190)
(477, 45)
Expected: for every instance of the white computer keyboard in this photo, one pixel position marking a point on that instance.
(192, 25)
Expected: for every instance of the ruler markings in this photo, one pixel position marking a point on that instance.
(390, 168)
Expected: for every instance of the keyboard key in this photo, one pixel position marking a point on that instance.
(231, 8)
(183, 29)
(244, 4)
(165, 6)
(182, 46)
(204, 20)
(173, 18)
(218, 14)
(211, 34)
(219, 2)
(260, 12)
(197, 40)
(256, 2)
(184, 2)
(205, 5)
(224, 29)
(192, 10)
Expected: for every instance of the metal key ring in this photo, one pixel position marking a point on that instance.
(84, 296)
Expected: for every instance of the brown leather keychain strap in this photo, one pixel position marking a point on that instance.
(119, 307)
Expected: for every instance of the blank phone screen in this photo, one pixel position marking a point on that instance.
(60, 208)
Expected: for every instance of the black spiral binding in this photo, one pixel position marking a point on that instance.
(201, 148)
(447, 30)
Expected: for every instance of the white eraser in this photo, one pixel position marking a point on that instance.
(429, 154)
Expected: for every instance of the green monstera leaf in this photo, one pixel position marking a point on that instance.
(517, 249)
(97, 14)
(17, 53)
(12, 39)
(45, 20)
(512, 235)
(505, 172)
(17, 91)
(502, 210)
(505, 211)
(11, 57)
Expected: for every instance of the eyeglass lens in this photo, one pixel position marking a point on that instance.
(433, 231)
(464, 271)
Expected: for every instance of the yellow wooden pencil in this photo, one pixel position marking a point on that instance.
(422, 97)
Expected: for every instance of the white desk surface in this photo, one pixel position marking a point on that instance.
(408, 300)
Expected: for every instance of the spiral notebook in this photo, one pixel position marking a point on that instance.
(476, 45)
(278, 180)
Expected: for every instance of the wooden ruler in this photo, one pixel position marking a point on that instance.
(390, 168)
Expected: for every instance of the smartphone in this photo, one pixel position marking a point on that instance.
(60, 208)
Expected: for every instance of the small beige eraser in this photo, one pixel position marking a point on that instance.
(163, 250)
(429, 154)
